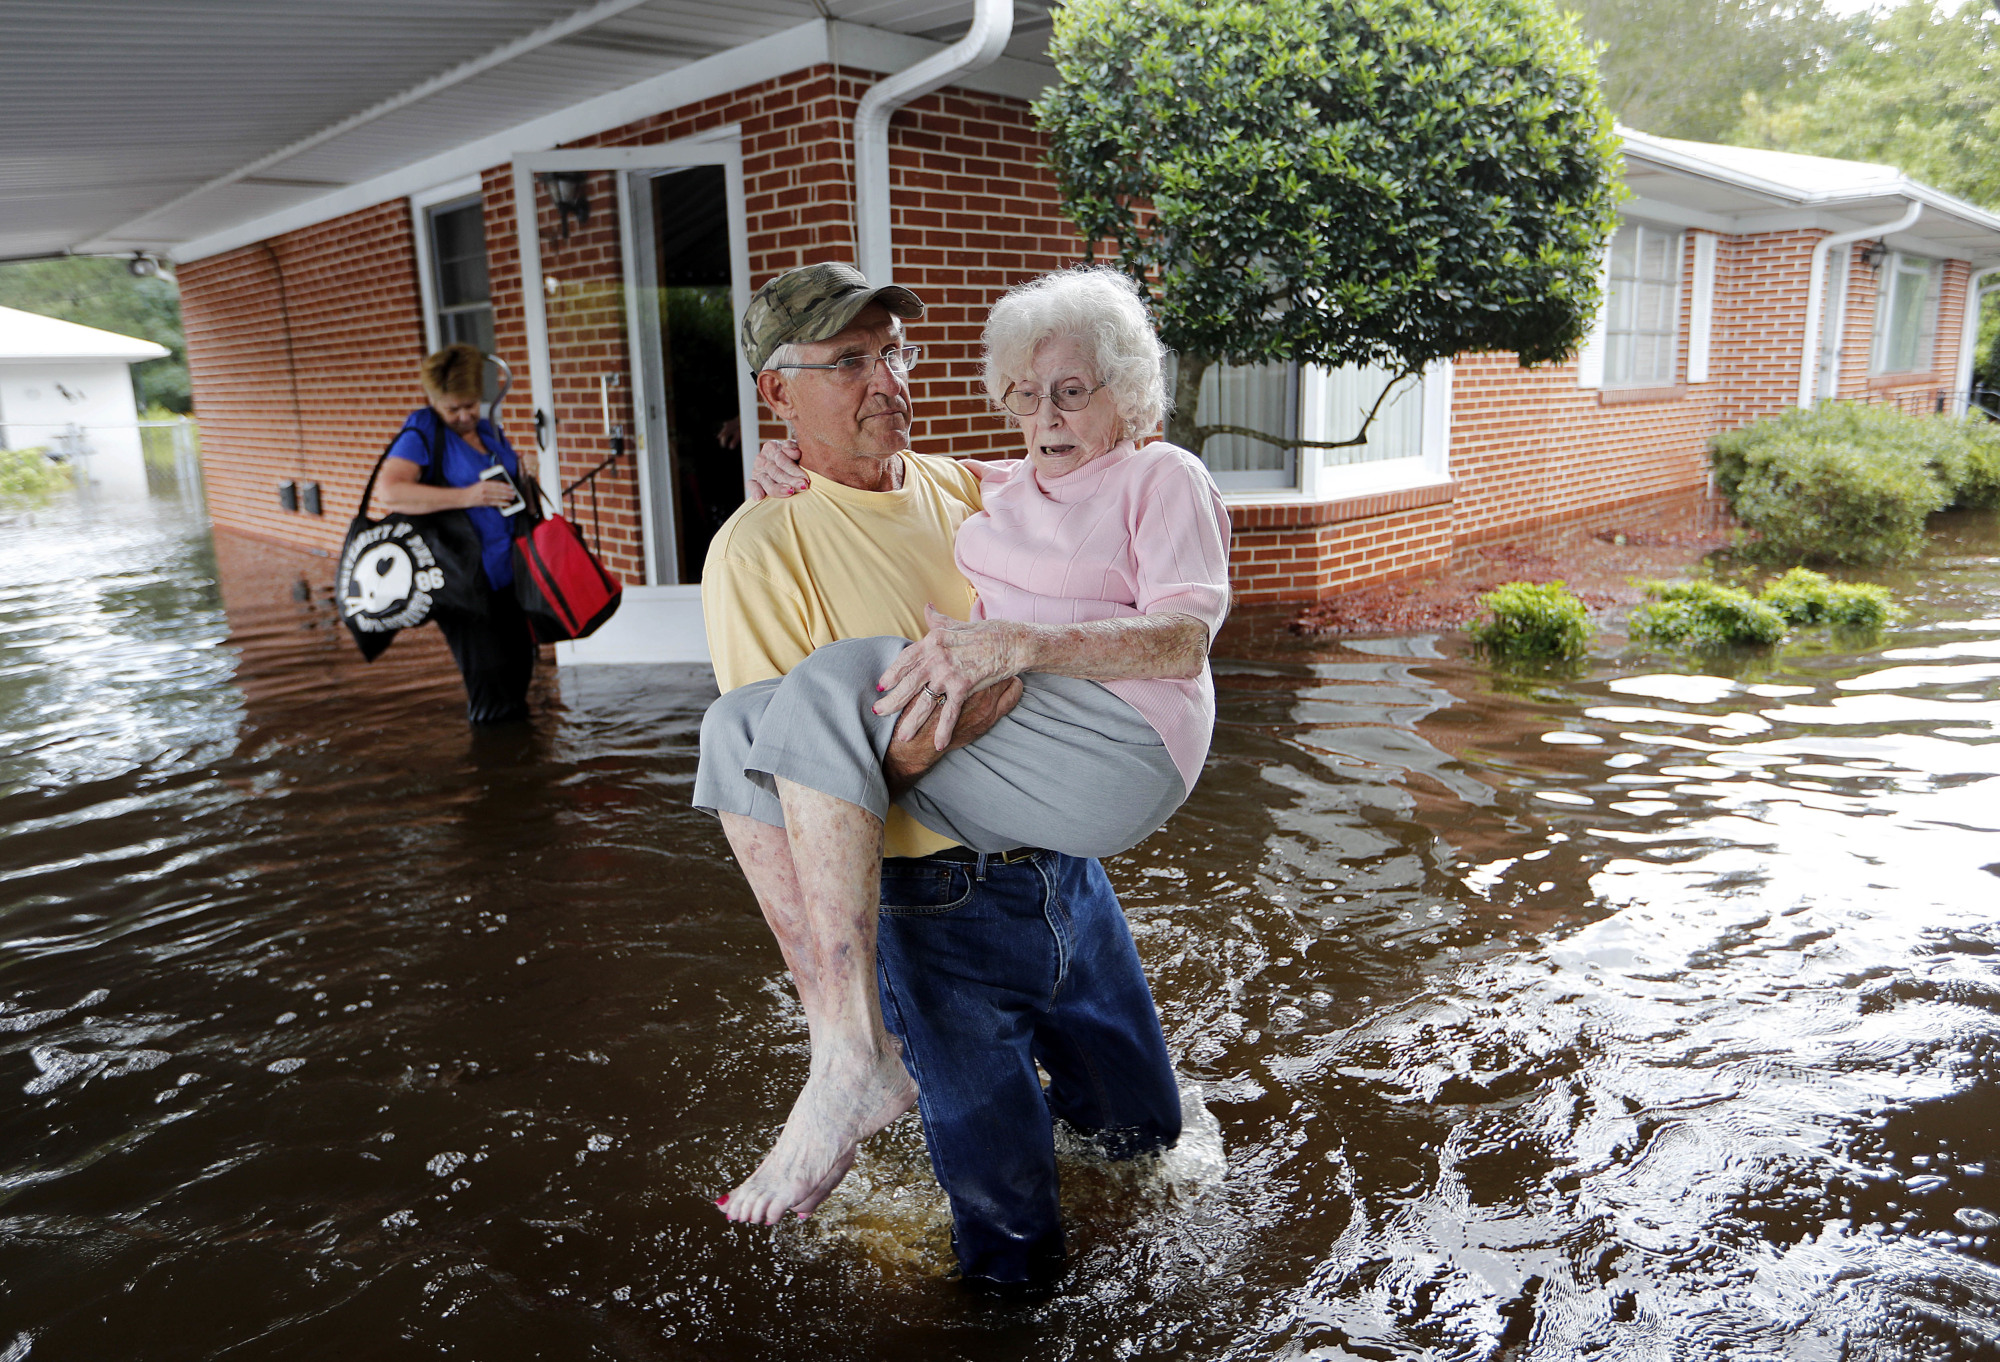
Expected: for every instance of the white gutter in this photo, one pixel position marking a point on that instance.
(992, 25)
(1816, 288)
(458, 75)
(1969, 335)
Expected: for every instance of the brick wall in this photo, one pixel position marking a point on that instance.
(975, 212)
(1529, 448)
(303, 352)
(1309, 551)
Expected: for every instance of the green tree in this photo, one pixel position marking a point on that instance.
(1680, 68)
(1920, 92)
(105, 294)
(1336, 182)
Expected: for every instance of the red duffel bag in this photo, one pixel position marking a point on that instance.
(564, 591)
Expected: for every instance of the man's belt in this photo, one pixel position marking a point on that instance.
(967, 856)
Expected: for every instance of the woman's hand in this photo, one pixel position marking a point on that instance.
(494, 492)
(776, 472)
(953, 662)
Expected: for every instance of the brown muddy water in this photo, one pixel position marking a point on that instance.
(1650, 1012)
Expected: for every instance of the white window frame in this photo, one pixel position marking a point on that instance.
(1701, 307)
(1616, 325)
(421, 204)
(1887, 284)
(1320, 480)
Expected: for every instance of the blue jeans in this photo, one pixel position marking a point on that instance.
(986, 969)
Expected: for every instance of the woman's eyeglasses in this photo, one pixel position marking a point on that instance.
(860, 368)
(1067, 397)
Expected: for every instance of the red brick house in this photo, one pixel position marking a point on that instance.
(601, 228)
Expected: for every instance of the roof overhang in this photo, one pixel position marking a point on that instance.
(176, 128)
(1738, 190)
(164, 126)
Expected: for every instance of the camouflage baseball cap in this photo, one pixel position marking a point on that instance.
(815, 303)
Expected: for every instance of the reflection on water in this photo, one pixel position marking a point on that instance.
(1646, 1014)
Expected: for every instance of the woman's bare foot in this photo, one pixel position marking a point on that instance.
(841, 1105)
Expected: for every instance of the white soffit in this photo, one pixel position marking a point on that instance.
(1748, 189)
(128, 124)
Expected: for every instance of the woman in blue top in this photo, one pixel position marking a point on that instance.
(495, 655)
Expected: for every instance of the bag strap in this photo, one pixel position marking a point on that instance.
(432, 473)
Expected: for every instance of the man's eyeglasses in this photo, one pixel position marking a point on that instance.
(1067, 397)
(860, 368)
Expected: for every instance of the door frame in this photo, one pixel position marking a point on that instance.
(720, 146)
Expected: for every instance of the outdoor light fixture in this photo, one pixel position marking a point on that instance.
(571, 191)
(1873, 254)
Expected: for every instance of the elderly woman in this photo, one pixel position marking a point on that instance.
(442, 460)
(1102, 574)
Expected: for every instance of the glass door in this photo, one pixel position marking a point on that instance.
(687, 336)
(635, 272)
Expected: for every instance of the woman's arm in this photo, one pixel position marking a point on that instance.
(1167, 645)
(399, 490)
(776, 472)
(957, 660)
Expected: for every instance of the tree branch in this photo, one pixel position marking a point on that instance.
(1201, 433)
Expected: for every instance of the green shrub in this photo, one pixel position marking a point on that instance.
(1529, 620)
(1979, 480)
(1837, 502)
(1704, 615)
(1803, 596)
(1846, 482)
(29, 476)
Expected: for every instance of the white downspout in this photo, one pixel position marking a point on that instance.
(992, 25)
(1816, 288)
(1969, 335)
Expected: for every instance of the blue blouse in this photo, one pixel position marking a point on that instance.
(462, 467)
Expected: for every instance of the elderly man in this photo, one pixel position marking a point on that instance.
(987, 965)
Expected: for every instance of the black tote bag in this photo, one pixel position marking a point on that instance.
(405, 570)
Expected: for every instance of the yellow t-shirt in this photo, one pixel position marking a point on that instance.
(789, 574)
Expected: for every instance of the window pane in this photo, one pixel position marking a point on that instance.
(458, 237)
(1259, 397)
(1624, 249)
(469, 326)
(1906, 317)
(1653, 263)
(1642, 320)
(1398, 432)
(1618, 357)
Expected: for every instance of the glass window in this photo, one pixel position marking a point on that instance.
(1259, 397)
(1347, 395)
(1906, 308)
(464, 302)
(1303, 404)
(1642, 320)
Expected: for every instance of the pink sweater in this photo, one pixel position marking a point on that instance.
(1132, 532)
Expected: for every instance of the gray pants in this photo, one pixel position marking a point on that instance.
(1072, 767)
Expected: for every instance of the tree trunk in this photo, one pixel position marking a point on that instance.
(1181, 424)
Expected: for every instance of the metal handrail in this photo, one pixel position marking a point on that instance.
(588, 481)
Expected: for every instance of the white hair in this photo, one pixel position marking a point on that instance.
(787, 352)
(1103, 311)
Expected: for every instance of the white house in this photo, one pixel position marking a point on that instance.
(68, 388)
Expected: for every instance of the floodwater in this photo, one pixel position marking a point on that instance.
(1650, 1012)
